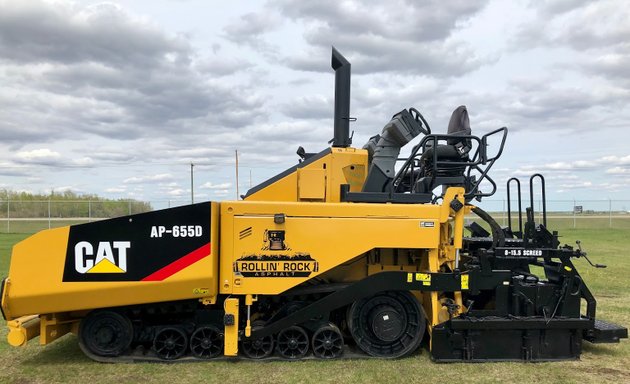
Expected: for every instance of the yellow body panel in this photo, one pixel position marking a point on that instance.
(36, 273)
(312, 184)
(320, 237)
(340, 166)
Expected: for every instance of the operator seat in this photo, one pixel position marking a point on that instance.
(455, 150)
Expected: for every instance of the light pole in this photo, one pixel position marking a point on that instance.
(236, 156)
(192, 191)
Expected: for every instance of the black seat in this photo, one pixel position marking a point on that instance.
(459, 124)
(455, 150)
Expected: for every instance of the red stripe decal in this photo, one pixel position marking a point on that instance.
(179, 264)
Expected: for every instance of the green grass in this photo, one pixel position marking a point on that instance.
(29, 226)
(62, 361)
(6, 243)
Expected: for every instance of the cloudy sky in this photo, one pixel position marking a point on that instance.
(118, 98)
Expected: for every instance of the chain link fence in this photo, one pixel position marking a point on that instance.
(578, 214)
(18, 216)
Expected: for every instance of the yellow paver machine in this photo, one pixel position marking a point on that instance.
(350, 252)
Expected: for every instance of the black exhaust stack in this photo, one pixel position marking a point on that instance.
(342, 100)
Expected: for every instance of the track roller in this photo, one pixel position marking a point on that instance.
(389, 324)
(105, 333)
(170, 343)
(206, 342)
(327, 342)
(258, 348)
(292, 343)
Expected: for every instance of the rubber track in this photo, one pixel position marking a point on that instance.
(142, 355)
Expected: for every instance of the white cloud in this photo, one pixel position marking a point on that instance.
(38, 156)
(618, 171)
(221, 193)
(577, 184)
(177, 192)
(578, 165)
(620, 160)
(162, 177)
(84, 161)
(70, 188)
(95, 94)
(210, 185)
(115, 190)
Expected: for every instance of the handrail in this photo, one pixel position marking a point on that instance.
(509, 207)
(544, 197)
(483, 159)
(478, 158)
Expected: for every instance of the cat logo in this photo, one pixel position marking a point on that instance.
(110, 257)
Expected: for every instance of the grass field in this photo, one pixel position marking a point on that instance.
(34, 225)
(62, 361)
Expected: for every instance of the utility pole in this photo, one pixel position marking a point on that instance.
(236, 154)
(192, 191)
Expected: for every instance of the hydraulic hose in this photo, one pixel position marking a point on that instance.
(498, 237)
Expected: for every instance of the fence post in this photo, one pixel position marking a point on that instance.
(8, 215)
(574, 213)
(609, 213)
(49, 213)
